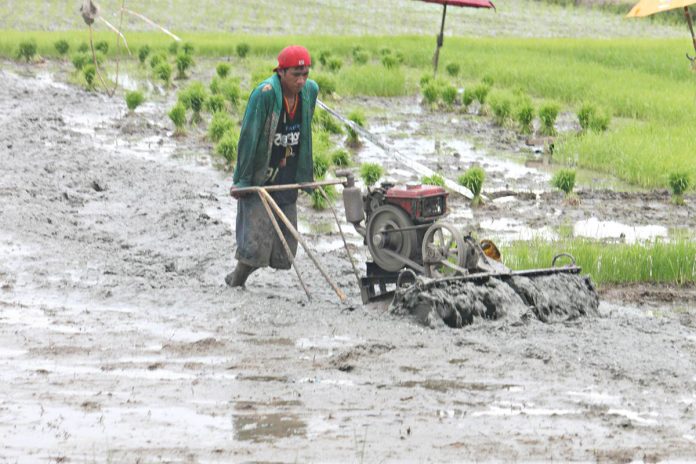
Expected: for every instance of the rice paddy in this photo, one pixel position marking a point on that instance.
(644, 86)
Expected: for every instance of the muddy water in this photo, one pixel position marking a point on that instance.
(119, 341)
(521, 202)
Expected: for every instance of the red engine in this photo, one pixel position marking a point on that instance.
(423, 203)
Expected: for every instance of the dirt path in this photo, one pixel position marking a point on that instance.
(120, 343)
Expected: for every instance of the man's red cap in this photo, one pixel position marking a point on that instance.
(292, 56)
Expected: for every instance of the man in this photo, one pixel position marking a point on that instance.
(275, 147)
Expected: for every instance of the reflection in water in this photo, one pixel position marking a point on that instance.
(268, 427)
(594, 228)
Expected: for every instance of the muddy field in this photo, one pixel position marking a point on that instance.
(119, 341)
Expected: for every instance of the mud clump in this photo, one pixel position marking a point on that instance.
(456, 303)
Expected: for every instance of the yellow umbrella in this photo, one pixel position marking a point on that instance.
(649, 7)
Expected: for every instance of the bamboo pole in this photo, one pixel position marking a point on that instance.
(262, 191)
(691, 25)
(277, 188)
(264, 202)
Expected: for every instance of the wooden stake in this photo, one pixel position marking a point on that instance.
(285, 243)
(262, 191)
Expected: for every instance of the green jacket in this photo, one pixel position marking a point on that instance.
(259, 126)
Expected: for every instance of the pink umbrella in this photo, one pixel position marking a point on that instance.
(462, 3)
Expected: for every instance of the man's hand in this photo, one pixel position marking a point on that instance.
(236, 194)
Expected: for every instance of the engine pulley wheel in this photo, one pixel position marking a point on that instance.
(383, 233)
(442, 243)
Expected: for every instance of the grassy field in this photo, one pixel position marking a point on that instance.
(646, 85)
(513, 18)
(655, 261)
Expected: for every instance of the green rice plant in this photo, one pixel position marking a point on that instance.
(215, 104)
(324, 57)
(370, 173)
(143, 53)
(390, 61)
(600, 121)
(679, 182)
(340, 158)
(317, 199)
(327, 122)
(524, 114)
(501, 105)
(163, 71)
(27, 50)
(102, 46)
(134, 99)
(431, 93)
(655, 261)
(585, 115)
(425, 79)
(157, 59)
(449, 95)
(473, 180)
(481, 92)
(83, 47)
(358, 117)
(452, 69)
(488, 80)
(321, 163)
(468, 97)
(219, 125)
(62, 47)
(193, 97)
(385, 51)
(321, 142)
(326, 83)
(243, 49)
(372, 80)
(89, 72)
(79, 60)
(564, 180)
(361, 57)
(184, 61)
(188, 48)
(547, 115)
(230, 90)
(435, 179)
(227, 147)
(98, 57)
(334, 64)
(178, 116)
(174, 48)
(222, 70)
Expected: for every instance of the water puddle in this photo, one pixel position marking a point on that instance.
(325, 343)
(506, 408)
(445, 385)
(634, 416)
(128, 82)
(48, 79)
(268, 427)
(596, 229)
(452, 158)
(507, 230)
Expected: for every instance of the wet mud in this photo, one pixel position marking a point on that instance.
(457, 302)
(119, 341)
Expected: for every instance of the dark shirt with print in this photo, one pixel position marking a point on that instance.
(286, 146)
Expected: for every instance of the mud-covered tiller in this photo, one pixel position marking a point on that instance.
(406, 236)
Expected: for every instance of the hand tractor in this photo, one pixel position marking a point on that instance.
(414, 249)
